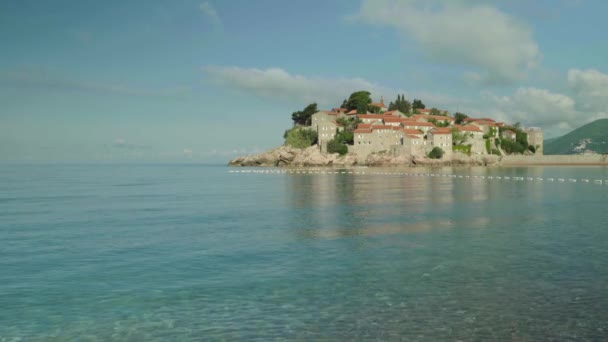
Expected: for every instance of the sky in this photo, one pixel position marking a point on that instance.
(203, 81)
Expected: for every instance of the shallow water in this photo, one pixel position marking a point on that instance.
(191, 252)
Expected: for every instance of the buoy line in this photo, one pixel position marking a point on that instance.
(415, 174)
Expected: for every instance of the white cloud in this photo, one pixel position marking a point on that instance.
(590, 88)
(44, 79)
(279, 84)
(461, 33)
(211, 14)
(556, 113)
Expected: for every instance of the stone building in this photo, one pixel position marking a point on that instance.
(324, 123)
(535, 138)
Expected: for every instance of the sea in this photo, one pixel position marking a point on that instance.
(191, 252)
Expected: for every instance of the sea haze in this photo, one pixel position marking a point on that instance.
(192, 252)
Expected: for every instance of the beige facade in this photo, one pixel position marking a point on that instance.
(324, 123)
(535, 138)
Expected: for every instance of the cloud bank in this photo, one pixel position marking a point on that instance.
(493, 45)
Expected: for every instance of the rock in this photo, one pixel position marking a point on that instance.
(312, 156)
(385, 159)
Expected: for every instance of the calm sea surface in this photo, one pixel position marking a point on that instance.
(192, 252)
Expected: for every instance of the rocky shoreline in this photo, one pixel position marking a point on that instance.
(286, 156)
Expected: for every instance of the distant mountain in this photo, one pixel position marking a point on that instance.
(591, 137)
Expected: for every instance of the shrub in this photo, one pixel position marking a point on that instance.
(496, 152)
(462, 148)
(436, 153)
(300, 137)
(488, 146)
(345, 137)
(532, 148)
(335, 146)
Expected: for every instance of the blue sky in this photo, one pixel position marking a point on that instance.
(204, 80)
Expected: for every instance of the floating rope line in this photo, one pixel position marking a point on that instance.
(405, 174)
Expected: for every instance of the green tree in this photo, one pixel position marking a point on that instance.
(417, 104)
(401, 104)
(349, 123)
(435, 111)
(359, 100)
(458, 138)
(438, 123)
(345, 137)
(304, 117)
(436, 153)
(334, 146)
(460, 117)
(299, 137)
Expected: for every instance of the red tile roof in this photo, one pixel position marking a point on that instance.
(413, 136)
(411, 131)
(364, 126)
(436, 117)
(370, 116)
(419, 124)
(470, 128)
(392, 119)
(441, 130)
(377, 127)
(362, 130)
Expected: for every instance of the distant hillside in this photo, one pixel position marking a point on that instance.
(591, 137)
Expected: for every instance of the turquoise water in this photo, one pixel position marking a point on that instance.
(191, 252)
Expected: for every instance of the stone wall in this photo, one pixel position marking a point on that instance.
(576, 159)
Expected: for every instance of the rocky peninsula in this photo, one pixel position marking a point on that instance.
(286, 156)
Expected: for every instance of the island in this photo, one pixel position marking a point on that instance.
(362, 132)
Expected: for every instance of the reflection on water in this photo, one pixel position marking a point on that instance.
(190, 253)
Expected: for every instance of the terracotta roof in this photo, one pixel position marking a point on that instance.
(419, 124)
(413, 136)
(364, 126)
(339, 110)
(381, 127)
(362, 130)
(424, 110)
(436, 117)
(441, 130)
(354, 111)
(479, 119)
(411, 131)
(370, 116)
(392, 119)
(470, 128)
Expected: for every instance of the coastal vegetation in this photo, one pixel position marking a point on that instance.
(401, 104)
(466, 149)
(458, 138)
(304, 117)
(436, 153)
(300, 137)
(438, 123)
(360, 101)
(417, 104)
(459, 118)
(335, 146)
(519, 145)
